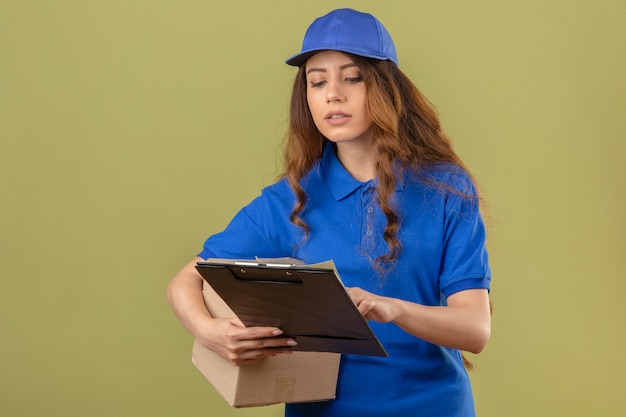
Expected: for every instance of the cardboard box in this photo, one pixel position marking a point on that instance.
(299, 377)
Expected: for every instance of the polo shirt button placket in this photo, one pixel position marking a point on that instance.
(369, 221)
(367, 198)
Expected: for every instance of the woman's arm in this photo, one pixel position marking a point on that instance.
(464, 324)
(226, 336)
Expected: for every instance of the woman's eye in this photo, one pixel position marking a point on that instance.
(354, 79)
(317, 83)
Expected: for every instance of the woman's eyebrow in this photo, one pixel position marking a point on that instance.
(342, 67)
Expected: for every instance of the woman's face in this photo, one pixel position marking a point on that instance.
(336, 97)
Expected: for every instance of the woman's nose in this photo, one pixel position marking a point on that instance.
(334, 92)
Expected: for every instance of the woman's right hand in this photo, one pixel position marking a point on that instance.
(238, 344)
(226, 336)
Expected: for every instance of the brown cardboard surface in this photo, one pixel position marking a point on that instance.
(299, 377)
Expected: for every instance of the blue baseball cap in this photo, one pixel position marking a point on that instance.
(346, 30)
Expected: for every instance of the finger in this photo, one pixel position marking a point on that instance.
(357, 295)
(253, 355)
(262, 332)
(352, 292)
(365, 306)
(258, 338)
(250, 350)
(271, 342)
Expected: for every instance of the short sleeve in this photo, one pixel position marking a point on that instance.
(260, 229)
(465, 262)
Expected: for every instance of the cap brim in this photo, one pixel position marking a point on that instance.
(302, 57)
(299, 59)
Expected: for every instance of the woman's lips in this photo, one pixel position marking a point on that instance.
(336, 118)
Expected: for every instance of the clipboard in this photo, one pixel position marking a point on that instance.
(309, 303)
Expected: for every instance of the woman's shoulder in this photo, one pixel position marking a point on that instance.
(282, 187)
(442, 176)
(279, 189)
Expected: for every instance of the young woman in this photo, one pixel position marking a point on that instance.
(372, 182)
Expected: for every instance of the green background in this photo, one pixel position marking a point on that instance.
(131, 130)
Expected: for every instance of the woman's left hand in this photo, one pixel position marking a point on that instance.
(374, 307)
(464, 323)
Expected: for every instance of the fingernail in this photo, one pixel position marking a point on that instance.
(292, 343)
(277, 332)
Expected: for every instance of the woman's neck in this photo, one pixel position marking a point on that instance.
(358, 159)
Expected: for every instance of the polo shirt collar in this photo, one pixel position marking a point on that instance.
(338, 179)
(340, 182)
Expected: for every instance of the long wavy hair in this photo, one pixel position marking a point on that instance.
(407, 135)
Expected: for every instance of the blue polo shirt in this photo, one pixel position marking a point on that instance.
(443, 252)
